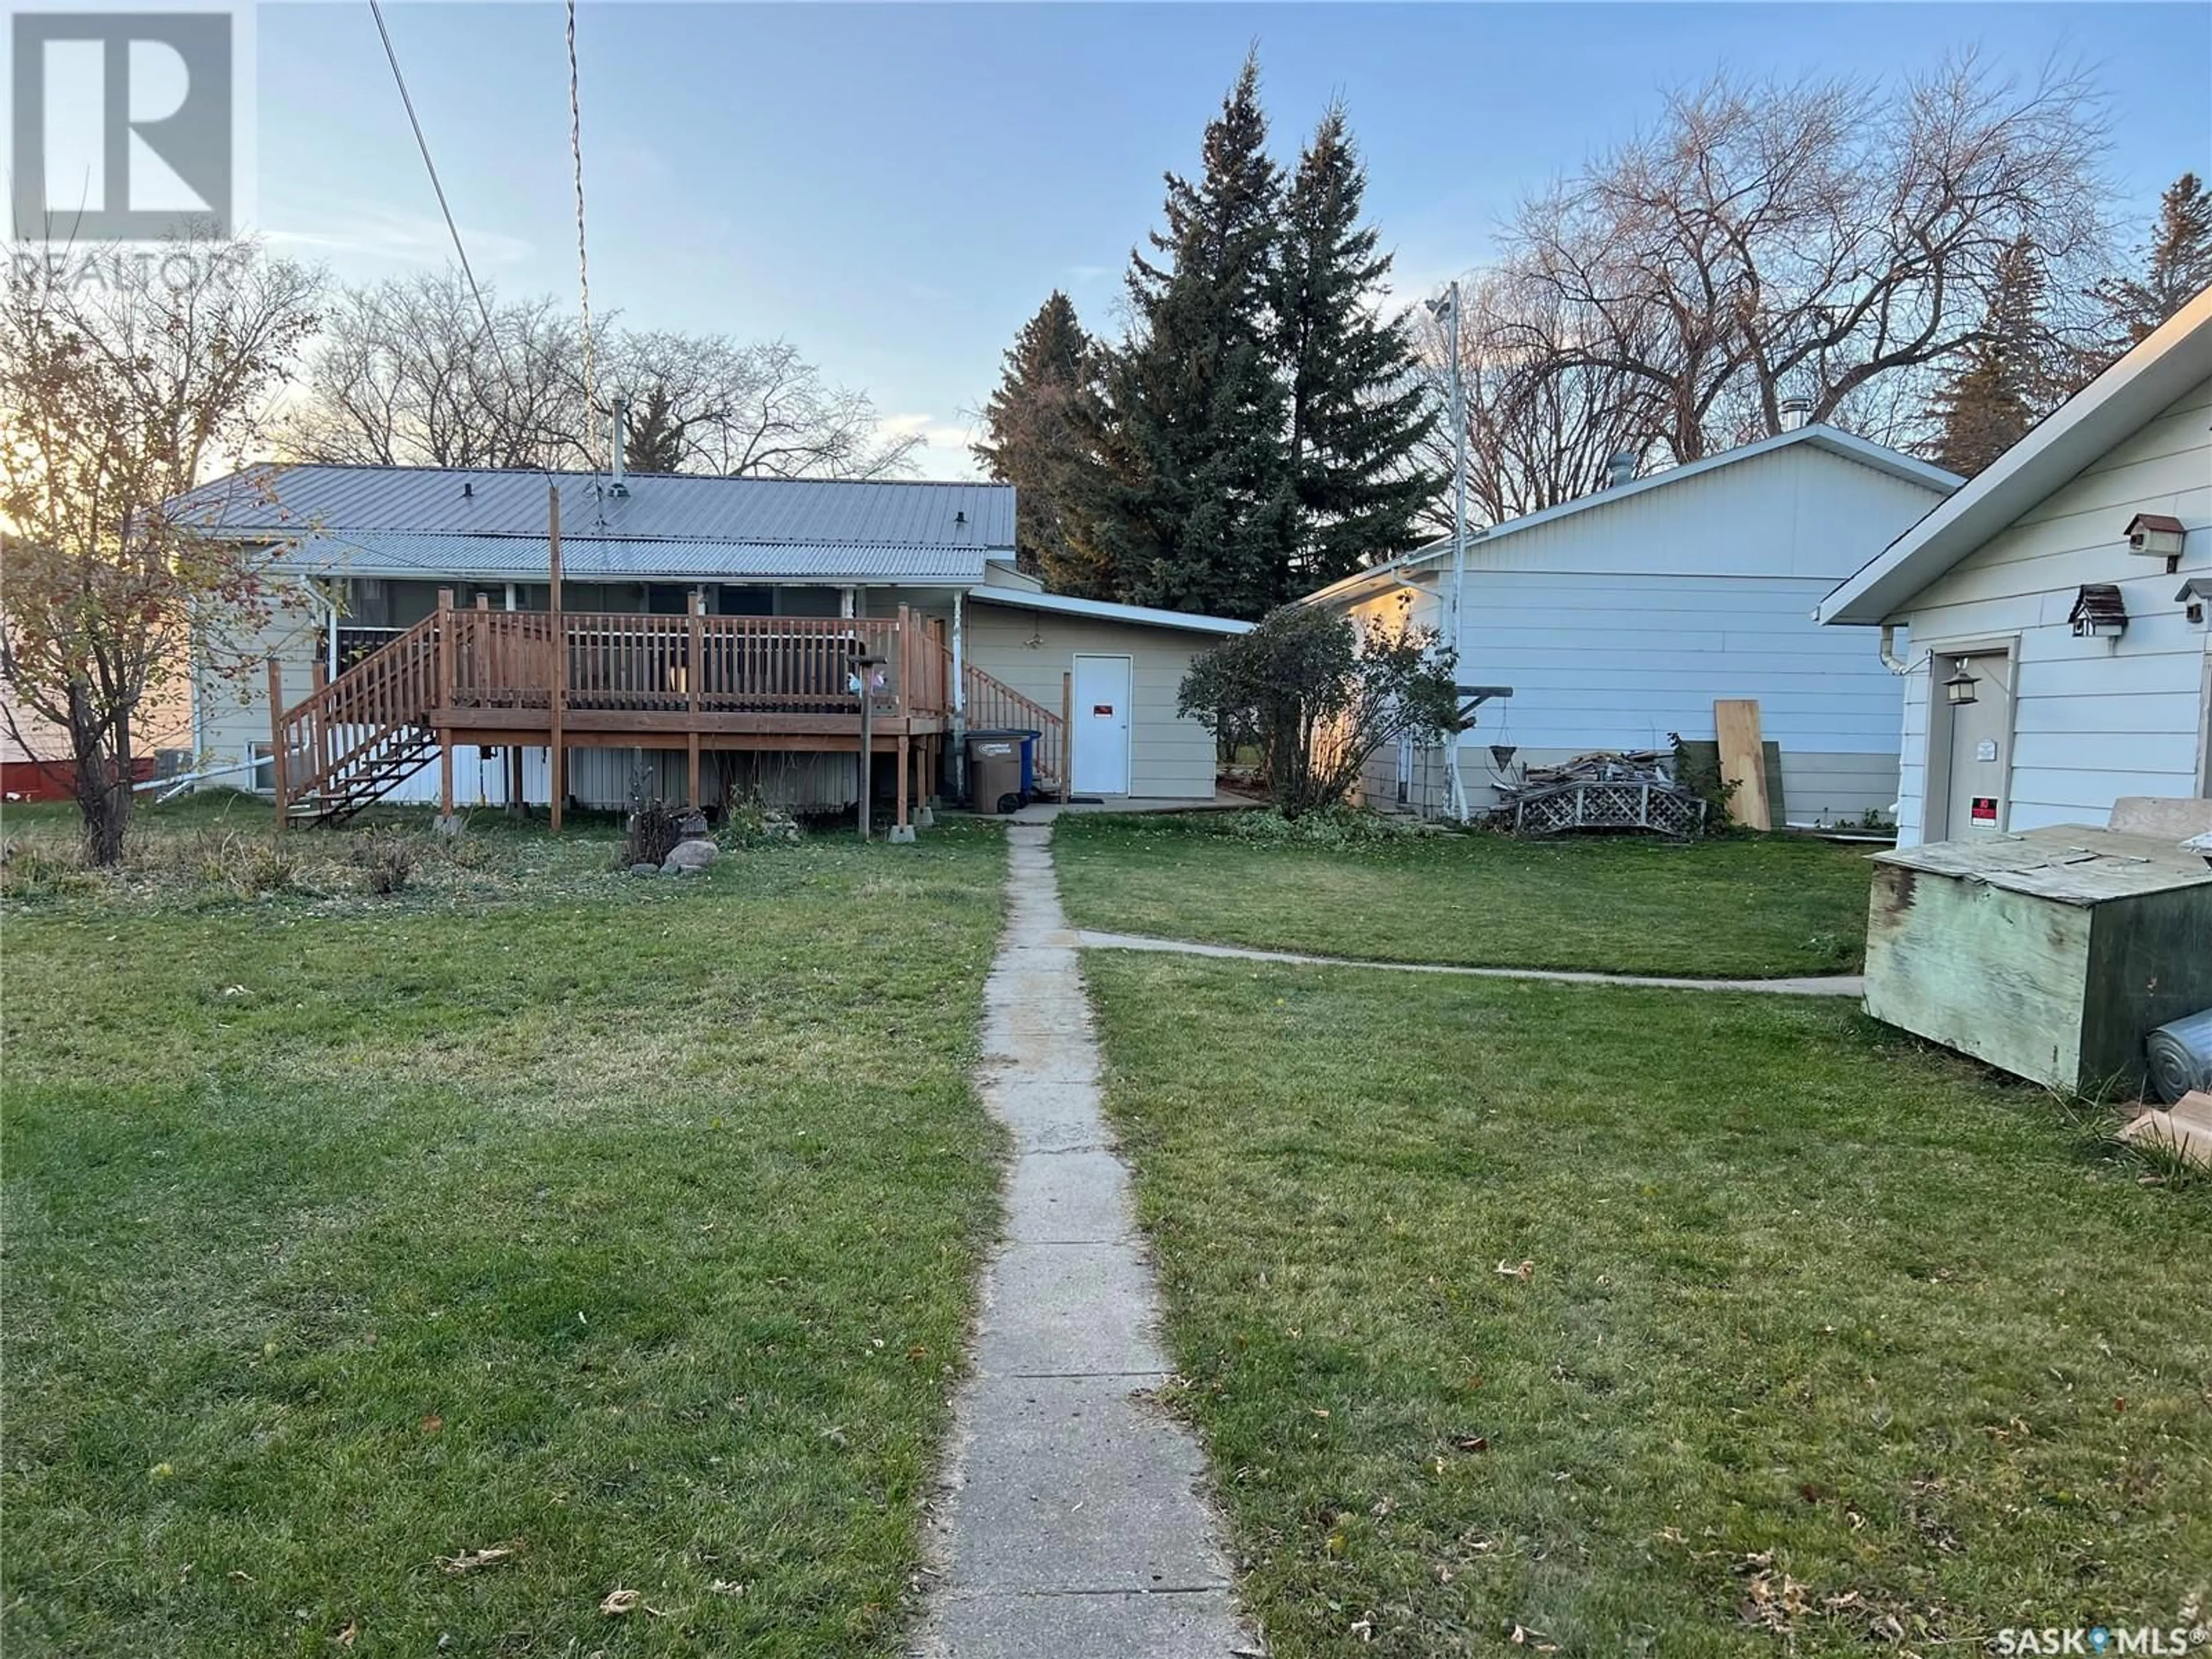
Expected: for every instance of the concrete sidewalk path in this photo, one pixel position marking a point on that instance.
(1820, 985)
(1073, 1524)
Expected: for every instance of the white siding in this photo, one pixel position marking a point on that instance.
(1620, 625)
(1169, 757)
(2094, 719)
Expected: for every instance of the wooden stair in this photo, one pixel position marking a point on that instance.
(354, 736)
(991, 704)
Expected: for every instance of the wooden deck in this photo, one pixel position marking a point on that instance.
(563, 680)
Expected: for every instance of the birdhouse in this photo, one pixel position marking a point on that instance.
(2193, 594)
(2099, 613)
(2156, 535)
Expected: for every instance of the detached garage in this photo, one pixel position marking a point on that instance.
(1116, 669)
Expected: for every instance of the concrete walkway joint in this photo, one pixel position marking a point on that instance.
(1074, 1523)
(1816, 985)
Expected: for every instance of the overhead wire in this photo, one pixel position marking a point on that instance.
(453, 229)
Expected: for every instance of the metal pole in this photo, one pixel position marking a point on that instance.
(1457, 784)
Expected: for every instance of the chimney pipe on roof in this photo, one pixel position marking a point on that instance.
(618, 488)
(1794, 411)
(1620, 470)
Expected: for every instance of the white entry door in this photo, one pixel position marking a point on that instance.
(1100, 737)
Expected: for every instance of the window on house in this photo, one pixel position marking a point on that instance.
(264, 769)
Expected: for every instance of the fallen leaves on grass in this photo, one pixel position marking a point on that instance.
(1773, 1599)
(1524, 1272)
(348, 1636)
(621, 1602)
(469, 1560)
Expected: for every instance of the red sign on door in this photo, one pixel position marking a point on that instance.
(1102, 708)
(1984, 810)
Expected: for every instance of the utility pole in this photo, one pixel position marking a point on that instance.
(1449, 306)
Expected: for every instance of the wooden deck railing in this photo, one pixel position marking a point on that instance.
(992, 705)
(343, 720)
(623, 662)
(574, 662)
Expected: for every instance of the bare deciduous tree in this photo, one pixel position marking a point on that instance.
(707, 403)
(1540, 426)
(122, 381)
(1829, 240)
(407, 374)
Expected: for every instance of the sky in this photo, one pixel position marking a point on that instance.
(895, 189)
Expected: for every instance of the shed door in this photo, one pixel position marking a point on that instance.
(1981, 737)
(1101, 765)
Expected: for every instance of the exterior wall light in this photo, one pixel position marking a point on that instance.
(1962, 687)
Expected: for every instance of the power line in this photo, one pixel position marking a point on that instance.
(460, 250)
(391, 56)
(583, 264)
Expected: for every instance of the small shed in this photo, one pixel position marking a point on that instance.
(2052, 953)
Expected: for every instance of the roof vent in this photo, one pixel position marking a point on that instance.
(1620, 470)
(1795, 413)
(960, 518)
(468, 489)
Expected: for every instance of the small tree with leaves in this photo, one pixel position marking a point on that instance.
(121, 383)
(1321, 696)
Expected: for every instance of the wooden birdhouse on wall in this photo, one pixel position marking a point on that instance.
(2157, 536)
(2099, 613)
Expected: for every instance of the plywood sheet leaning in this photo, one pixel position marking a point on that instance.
(1736, 724)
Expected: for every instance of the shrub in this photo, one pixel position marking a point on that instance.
(1320, 697)
(651, 834)
(386, 860)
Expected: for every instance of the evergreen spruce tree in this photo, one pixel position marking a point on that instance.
(1033, 440)
(2177, 265)
(1189, 502)
(2013, 375)
(1359, 409)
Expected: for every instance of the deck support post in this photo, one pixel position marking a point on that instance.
(516, 808)
(557, 756)
(276, 740)
(694, 672)
(901, 829)
(447, 667)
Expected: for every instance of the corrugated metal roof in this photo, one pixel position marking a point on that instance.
(660, 507)
(523, 558)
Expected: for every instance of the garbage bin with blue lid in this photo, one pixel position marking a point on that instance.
(1001, 769)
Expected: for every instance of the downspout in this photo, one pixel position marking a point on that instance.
(1890, 659)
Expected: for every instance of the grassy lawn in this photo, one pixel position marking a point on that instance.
(627, 1225)
(1739, 908)
(1651, 1323)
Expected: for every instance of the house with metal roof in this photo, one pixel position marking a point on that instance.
(1618, 620)
(476, 636)
(2048, 621)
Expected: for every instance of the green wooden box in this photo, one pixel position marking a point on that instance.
(2052, 953)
